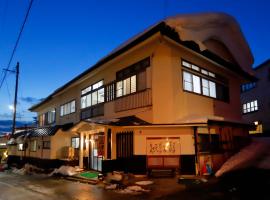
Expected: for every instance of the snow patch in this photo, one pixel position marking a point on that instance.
(66, 171)
(142, 183)
(254, 155)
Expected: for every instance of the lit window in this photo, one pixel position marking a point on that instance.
(126, 86)
(20, 147)
(75, 142)
(94, 98)
(195, 67)
(250, 106)
(205, 86)
(196, 84)
(33, 145)
(68, 108)
(101, 95)
(212, 89)
(186, 64)
(187, 81)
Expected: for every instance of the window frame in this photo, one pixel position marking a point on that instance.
(219, 82)
(245, 107)
(72, 138)
(90, 93)
(33, 149)
(69, 102)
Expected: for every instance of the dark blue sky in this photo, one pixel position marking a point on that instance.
(62, 38)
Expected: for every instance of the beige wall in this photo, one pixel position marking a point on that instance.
(185, 134)
(170, 104)
(61, 140)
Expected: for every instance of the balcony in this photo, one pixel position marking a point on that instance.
(132, 101)
(93, 111)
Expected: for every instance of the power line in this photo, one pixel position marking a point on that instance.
(17, 42)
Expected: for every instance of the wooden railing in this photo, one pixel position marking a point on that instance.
(136, 100)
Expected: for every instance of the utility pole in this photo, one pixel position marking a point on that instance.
(15, 99)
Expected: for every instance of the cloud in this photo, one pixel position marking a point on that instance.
(30, 100)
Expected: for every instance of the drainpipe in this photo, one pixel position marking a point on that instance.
(81, 151)
(196, 150)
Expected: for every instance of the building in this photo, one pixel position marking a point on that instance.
(167, 98)
(255, 98)
(3, 146)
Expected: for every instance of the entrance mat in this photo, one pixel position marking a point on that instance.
(89, 175)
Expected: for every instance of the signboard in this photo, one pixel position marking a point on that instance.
(163, 146)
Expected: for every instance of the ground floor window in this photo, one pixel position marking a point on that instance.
(46, 145)
(209, 143)
(75, 142)
(33, 145)
(124, 144)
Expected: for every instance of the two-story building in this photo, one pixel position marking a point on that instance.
(167, 98)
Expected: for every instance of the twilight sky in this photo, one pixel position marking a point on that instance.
(62, 38)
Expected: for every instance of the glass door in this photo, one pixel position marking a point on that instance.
(97, 151)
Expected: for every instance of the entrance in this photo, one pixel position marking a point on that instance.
(97, 151)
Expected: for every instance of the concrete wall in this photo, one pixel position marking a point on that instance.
(261, 93)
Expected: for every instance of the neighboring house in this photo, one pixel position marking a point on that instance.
(255, 98)
(167, 98)
(3, 146)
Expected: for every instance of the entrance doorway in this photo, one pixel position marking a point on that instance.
(96, 152)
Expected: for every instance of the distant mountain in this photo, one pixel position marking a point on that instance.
(6, 125)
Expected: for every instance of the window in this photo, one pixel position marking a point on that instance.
(51, 116)
(33, 145)
(209, 143)
(46, 145)
(20, 147)
(250, 106)
(75, 142)
(202, 84)
(68, 108)
(248, 86)
(126, 86)
(92, 95)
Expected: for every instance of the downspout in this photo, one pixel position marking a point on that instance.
(196, 150)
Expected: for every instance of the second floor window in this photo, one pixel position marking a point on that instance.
(68, 108)
(92, 95)
(47, 118)
(201, 81)
(126, 86)
(250, 106)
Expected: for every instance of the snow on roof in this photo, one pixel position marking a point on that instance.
(219, 26)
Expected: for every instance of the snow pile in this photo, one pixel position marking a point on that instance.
(111, 187)
(66, 171)
(21, 171)
(254, 155)
(203, 27)
(27, 169)
(133, 190)
(142, 183)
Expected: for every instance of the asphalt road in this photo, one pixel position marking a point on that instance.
(245, 184)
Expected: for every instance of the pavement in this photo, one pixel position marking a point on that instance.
(245, 184)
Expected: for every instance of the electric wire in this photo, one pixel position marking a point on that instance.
(17, 42)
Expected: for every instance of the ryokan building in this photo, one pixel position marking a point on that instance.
(167, 98)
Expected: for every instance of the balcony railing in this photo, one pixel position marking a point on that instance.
(132, 101)
(93, 111)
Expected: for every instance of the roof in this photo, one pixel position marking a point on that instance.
(265, 63)
(42, 131)
(173, 28)
(121, 121)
